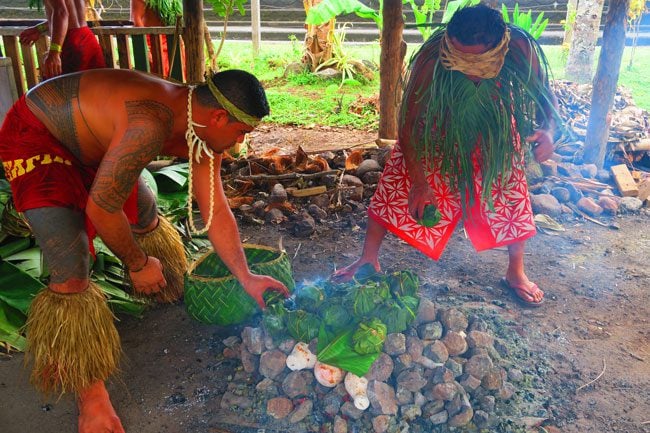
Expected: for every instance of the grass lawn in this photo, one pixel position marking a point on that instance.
(304, 99)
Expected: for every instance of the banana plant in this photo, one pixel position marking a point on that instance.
(525, 20)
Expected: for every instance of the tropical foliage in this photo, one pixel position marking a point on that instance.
(23, 273)
(525, 20)
(328, 9)
(168, 10)
(341, 60)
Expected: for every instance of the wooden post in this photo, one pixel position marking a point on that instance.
(256, 32)
(393, 50)
(12, 48)
(604, 88)
(193, 37)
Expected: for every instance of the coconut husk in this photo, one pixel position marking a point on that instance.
(71, 340)
(164, 243)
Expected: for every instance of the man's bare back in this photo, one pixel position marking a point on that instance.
(76, 11)
(104, 102)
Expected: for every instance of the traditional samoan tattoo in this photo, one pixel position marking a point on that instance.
(149, 125)
(61, 234)
(56, 100)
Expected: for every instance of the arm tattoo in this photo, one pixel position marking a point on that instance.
(149, 125)
(55, 100)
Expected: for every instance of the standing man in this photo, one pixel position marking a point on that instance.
(73, 149)
(157, 13)
(73, 46)
(474, 88)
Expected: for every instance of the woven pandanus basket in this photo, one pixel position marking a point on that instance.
(213, 295)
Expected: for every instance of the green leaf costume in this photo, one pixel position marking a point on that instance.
(456, 115)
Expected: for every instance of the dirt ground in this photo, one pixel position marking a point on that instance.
(594, 327)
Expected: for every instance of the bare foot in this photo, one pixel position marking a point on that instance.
(345, 274)
(96, 413)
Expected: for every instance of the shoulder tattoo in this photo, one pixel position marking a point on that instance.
(55, 100)
(149, 125)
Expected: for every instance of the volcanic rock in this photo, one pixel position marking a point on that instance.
(455, 343)
(453, 320)
(437, 351)
(279, 407)
(272, 363)
(426, 311)
(382, 398)
(430, 331)
(381, 369)
(301, 412)
(366, 166)
(395, 344)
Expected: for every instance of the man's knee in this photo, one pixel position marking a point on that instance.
(69, 287)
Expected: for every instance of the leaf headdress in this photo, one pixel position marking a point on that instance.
(167, 9)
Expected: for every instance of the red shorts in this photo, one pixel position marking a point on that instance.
(41, 171)
(81, 51)
(510, 220)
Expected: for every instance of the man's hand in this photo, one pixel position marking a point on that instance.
(420, 195)
(544, 147)
(149, 279)
(52, 65)
(256, 285)
(29, 35)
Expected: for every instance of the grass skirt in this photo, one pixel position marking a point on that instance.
(164, 242)
(71, 340)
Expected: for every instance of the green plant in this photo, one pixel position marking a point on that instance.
(424, 15)
(296, 47)
(225, 9)
(453, 6)
(328, 9)
(525, 20)
(340, 60)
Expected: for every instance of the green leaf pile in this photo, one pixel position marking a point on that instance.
(351, 320)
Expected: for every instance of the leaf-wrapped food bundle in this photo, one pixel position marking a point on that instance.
(310, 297)
(301, 325)
(368, 296)
(335, 315)
(369, 337)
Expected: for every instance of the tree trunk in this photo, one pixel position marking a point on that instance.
(569, 22)
(393, 50)
(602, 98)
(318, 40)
(193, 37)
(585, 38)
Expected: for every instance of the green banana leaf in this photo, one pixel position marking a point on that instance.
(120, 301)
(18, 287)
(338, 350)
(11, 323)
(328, 9)
(18, 290)
(14, 247)
(172, 178)
(29, 261)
